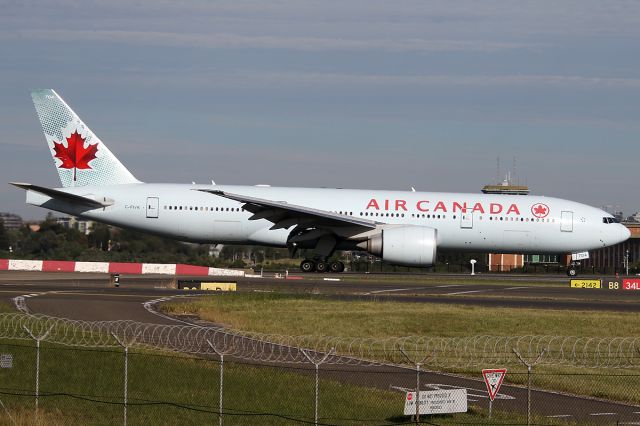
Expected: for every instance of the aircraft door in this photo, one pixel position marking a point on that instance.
(466, 220)
(153, 207)
(566, 222)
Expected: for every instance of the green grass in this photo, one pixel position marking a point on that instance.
(6, 307)
(86, 387)
(317, 315)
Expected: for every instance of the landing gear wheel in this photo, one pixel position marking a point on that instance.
(322, 267)
(337, 267)
(307, 265)
(572, 271)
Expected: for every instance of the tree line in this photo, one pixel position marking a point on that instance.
(54, 241)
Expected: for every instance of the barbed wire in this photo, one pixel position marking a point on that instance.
(440, 352)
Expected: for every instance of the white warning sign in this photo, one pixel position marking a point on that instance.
(493, 379)
(437, 402)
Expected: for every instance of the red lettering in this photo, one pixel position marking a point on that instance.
(419, 206)
(386, 204)
(401, 204)
(478, 208)
(440, 206)
(513, 209)
(373, 204)
(495, 208)
(457, 206)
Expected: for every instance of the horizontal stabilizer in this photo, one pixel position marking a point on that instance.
(64, 196)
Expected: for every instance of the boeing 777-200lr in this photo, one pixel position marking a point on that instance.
(402, 228)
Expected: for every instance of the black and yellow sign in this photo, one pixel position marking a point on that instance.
(586, 284)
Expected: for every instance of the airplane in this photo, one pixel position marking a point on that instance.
(400, 227)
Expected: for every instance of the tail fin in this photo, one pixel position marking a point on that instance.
(79, 155)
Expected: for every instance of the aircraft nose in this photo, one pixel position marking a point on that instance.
(625, 233)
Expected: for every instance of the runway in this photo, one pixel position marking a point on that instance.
(91, 297)
(77, 295)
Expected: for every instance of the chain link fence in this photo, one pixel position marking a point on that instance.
(57, 371)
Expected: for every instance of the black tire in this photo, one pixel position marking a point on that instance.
(322, 267)
(572, 272)
(337, 267)
(307, 266)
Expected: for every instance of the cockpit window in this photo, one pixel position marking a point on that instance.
(610, 220)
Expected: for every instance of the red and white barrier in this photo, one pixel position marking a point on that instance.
(114, 268)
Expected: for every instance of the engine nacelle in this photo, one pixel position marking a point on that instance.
(406, 245)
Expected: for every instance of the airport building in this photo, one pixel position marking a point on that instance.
(72, 222)
(11, 221)
(500, 262)
(504, 262)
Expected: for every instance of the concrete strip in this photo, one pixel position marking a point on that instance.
(99, 267)
(395, 289)
(25, 265)
(159, 268)
(466, 292)
(226, 272)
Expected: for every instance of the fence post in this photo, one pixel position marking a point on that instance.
(418, 364)
(125, 344)
(221, 354)
(38, 339)
(529, 365)
(317, 363)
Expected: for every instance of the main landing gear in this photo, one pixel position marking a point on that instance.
(321, 266)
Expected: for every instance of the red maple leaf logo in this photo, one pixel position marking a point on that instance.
(75, 156)
(540, 210)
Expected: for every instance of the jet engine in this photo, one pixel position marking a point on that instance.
(406, 245)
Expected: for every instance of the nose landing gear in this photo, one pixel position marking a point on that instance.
(572, 269)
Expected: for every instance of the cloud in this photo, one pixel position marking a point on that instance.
(284, 80)
(237, 41)
(389, 80)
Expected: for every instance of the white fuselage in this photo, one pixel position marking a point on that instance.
(477, 222)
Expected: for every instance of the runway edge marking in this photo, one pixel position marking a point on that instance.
(150, 306)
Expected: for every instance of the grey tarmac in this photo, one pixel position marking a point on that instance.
(92, 297)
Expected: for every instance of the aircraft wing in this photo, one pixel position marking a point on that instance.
(285, 215)
(64, 196)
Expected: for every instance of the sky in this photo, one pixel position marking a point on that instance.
(351, 93)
